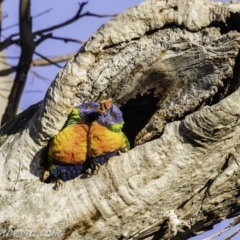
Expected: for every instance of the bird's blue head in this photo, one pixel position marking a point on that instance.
(109, 114)
(84, 113)
(88, 111)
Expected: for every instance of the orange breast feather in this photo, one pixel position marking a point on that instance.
(102, 140)
(70, 145)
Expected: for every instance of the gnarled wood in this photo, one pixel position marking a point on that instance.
(176, 55)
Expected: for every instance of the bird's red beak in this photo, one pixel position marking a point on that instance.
(100, 111)
(107, 104)
(104, 106)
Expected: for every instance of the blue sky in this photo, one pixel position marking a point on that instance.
(82, 29)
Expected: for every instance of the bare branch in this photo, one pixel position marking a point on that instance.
(89, 14)
(4, 62)
(68, 39)
(232, 234)
(2, 96)
(43, 62)
(235, 221)
(49, 35)
(11, 26)
(42, 38)
(27, 49)
(10, 57)
(218, 233)
(48, 60)
(40, 62)
(37, 15)
(37, 75)
(10, 40)
(42, 13)
(8, 71)
(77, 16)
(5, 89)
(5, 81)
(1, 17)
(33, 91)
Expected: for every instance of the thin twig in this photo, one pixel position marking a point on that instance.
(37, 15)
(32, 91)
(89, 14)
(4, 62)
(40, 62)
(35, 74)
(1, 18)
(68, 39)
(8, 71)
(232, 234)
(10, 40)
(10, 57)
(42, 38)
(235, 221)
(77, 16)
(6, 81)
(218, 233)
(2, 96)
(48, 60)
(43, 62)
(42, 13)
(5, 89)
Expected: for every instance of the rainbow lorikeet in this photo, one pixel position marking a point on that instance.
(106, 138)
(68, 149)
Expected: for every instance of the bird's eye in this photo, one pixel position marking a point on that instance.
(88, 106)
(113, 115)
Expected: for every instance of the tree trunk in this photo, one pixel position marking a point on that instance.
(173, 67)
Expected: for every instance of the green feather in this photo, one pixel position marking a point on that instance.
(116, 127)
(127, 142)
(74, 117)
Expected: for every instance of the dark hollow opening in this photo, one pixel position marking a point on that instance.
(232, 23)
(136, 113)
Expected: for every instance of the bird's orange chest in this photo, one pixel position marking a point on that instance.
(102, 140)
(70, 145)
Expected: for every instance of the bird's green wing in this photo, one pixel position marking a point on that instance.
(74, 117)
(127, 142)
(118, 128)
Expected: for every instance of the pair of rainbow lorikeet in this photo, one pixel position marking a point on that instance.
(93, 132)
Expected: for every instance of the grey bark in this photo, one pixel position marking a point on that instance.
(183, 176)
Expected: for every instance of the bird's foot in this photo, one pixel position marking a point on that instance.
(93, 170)
(120, 153)
(96, 168)
(59, 183)
(89, 172)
